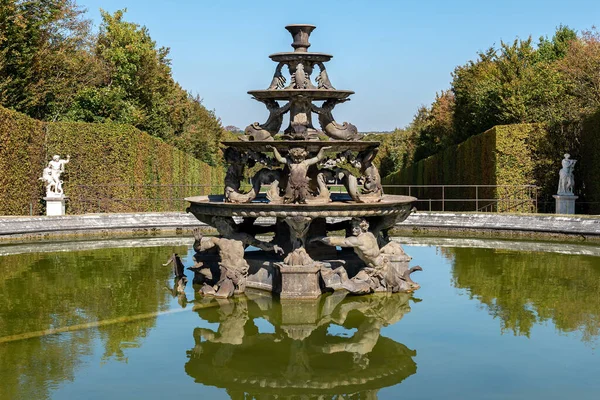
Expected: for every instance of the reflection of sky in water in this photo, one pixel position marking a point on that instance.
(465, 348)
(263, 326)
(336, 330)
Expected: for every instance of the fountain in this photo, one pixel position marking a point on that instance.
(298, 208)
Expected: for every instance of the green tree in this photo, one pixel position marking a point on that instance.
(476, 89)
(53, 68)
(138, 89)
(433, 126)
(45, 56)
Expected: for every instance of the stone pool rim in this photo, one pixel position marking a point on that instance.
(462, 224)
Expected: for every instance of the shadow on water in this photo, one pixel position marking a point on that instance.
(301, 356)
(524, 289)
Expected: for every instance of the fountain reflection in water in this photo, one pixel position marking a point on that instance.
(301, 357)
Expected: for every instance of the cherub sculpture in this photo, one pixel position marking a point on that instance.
(230, 246)
(297, 186)
(227, 229)
(371, 184)
(52, 188)
(235, 173)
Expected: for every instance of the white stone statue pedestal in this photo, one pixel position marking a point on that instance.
(565, 203)
(55, 205)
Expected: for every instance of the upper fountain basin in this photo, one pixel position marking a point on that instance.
(295, 56)
(313, 94)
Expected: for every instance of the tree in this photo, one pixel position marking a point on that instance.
(581, 69)
(45, 56)
(514, 83)
(138, 88)
(476, 87)
(434, 125)
(232, 128)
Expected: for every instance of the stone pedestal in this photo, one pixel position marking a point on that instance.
(565, 203)
(299, 282)
(55, 205)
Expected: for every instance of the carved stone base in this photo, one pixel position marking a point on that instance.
(299, 282)
(55, 205)
(565, 204)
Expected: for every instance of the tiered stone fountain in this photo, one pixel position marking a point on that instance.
(290, 198)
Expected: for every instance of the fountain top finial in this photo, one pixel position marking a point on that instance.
(300, 34)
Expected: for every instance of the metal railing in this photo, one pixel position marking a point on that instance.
(137, 198)
(482, 198)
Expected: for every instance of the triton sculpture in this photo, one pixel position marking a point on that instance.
(298, 208)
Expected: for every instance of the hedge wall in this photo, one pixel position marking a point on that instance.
(113, 167)
(22, 158)
(504, 155)
(587, 169)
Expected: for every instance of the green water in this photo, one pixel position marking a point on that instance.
(491, 324)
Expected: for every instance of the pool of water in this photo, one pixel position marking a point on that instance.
(510, 322)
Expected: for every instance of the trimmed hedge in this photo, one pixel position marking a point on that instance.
(22, 158)
(503, 155)
(108, 162)
(587, 169)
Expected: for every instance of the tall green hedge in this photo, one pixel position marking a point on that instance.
(22, 157)
(113, 167)
(503, 155)
(587, 169)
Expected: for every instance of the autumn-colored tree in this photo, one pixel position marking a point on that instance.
(581, 69)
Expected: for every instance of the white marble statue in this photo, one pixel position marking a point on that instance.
(566, 179)
(51, 176)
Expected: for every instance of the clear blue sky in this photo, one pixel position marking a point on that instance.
(394, 54)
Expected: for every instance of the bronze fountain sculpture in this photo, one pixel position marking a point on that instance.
(297, 208)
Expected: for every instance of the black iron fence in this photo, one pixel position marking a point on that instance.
(137, 198)
(148, 198)
(481, 198)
